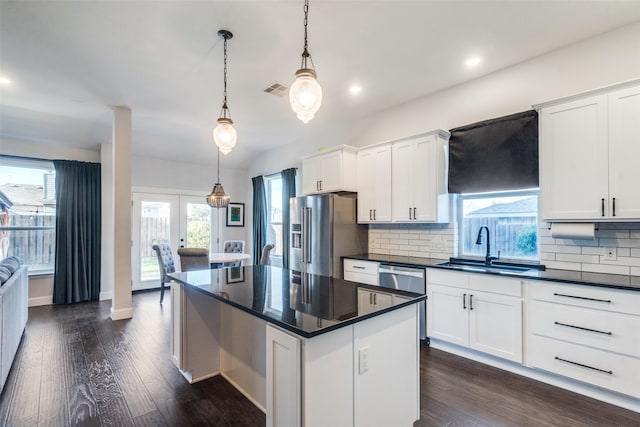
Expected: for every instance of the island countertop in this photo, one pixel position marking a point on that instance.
(305, 304)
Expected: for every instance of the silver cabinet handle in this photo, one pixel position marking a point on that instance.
(414, 213)
(409, 213)
(370, 214)
(375, 299)
(464, 301)
(359, 267)
(374, 214)
(470, 301)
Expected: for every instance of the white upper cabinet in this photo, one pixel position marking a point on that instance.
(333, 170)
(374, 184)
(419, 190)
(624, 153)
(588, 150)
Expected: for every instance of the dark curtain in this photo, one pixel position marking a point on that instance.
(495, 155)
(259, 218)
(288, 191)
(78, 228)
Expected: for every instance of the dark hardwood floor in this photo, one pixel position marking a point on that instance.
(77, 367)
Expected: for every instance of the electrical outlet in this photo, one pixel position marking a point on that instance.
(610, 254)
(363, 360)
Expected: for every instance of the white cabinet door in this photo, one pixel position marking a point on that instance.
(425, 194)
(311, 175)
(283, 379)
(447, 314)
(573, 159)
(366, 186)
(331, 176)
(402, 181)
(370, 301)
(374, 184)
(495, 325)
(624, 152)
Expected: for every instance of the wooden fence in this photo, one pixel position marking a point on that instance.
(504, 235)
(32, 246)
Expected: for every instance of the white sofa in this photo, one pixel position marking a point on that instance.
(14, 298)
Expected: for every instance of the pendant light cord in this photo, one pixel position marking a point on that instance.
(218, 165)
(225, 108)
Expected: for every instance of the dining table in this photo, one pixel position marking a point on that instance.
(218, 259)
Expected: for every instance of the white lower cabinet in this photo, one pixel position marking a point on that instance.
(370, 301)
(356, 270)
(586, 333)
(344, 377)
(490, 322)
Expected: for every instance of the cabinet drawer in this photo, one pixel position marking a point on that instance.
(363, 267)
(594, 328)
(617, 300)
(601, 368)
(447, 278)
(497, 285)
(369, 279)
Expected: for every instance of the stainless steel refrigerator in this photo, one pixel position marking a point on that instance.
(324, 228)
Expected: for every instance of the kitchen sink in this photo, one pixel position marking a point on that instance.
(495, 267)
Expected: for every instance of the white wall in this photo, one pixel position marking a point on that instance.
(599, 61)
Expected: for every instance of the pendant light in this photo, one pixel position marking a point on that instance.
(218, 198)
(225, 134)
(305, 93)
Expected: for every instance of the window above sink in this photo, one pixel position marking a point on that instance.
(512, 218)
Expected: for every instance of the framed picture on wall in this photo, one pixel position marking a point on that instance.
(235, 274)
(235, 215)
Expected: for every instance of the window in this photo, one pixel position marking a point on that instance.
(274, 218)
(512, 219)
(28, 212)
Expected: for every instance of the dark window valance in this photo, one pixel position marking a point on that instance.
(495, 155)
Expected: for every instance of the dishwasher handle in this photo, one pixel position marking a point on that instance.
(400, 271)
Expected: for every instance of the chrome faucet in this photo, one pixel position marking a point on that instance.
(488, 257)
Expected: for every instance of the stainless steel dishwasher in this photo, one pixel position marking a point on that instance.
(405, 279)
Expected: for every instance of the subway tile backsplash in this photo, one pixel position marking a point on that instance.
(440, 241)
(591, 255)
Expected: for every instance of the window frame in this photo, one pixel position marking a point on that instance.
(34, 164)
(276, 259)
(460, 198)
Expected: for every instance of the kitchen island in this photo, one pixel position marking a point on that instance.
(308, 350)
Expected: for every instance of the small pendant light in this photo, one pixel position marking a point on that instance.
(218, 198)
(305, 94)
(225, 134)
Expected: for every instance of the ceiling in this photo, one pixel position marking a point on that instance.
(71, 62)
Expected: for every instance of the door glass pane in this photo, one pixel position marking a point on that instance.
(155, 227)
(198, 226)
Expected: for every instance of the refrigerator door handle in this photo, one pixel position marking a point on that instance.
(307, 235)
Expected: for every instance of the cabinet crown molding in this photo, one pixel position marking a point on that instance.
(596, 91)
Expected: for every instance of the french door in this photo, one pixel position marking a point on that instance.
(180, 221)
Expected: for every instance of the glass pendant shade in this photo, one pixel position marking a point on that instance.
(225, 135)
(305, 94)
(218, 198)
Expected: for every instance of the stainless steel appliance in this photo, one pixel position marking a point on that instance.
(405, 279)
(323, 228)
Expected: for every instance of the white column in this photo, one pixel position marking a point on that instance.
(106, 262)
(121, 307)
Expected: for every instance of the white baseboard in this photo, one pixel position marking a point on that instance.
(585, 389)
(241, 390)
(123, 313)
(107, 295)
(38, 301)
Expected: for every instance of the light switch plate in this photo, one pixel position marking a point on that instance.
(363, 360)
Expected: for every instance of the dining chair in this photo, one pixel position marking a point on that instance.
(233, 246)
(193, 259)
(165, 261)
(264, 259)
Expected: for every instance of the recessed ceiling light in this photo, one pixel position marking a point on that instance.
(4, 81)
(355, 89)
(472, 62)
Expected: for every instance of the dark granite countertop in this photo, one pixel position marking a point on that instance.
(616, 281)
(305, 304)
